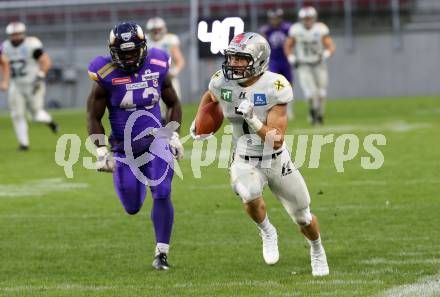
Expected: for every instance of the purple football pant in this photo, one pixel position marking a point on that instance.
(281, 67)
(132, 192)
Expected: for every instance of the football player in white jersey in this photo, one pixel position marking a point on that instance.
(158, 37)
(313, 47)
(254, 101)
(29, 65)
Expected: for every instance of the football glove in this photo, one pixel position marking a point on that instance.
(105, 162)
(176, 146)
(192, 132)
(247, 109)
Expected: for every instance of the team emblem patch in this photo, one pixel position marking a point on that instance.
(260, 99)
(121, 80)
(278, 85)
(226, 95)
(159, 63)
(126, 36)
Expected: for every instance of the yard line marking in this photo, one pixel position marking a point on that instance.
(398, 126)
(39, 187)
(426, 287)
(377, 261)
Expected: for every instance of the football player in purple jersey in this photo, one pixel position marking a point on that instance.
(276, 32)
(129, 83)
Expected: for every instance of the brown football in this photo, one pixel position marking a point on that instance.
(209, 119)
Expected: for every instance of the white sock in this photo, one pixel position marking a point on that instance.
(266, 226)
(315, 244)
(21, 130)
(162, 248)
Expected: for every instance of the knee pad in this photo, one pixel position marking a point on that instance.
(302, 217)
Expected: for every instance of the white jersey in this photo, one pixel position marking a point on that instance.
(308, 46)
(24, 67)
(168, 41)
(270, 90)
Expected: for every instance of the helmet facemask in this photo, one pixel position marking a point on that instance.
(238, 73)
(129, 60)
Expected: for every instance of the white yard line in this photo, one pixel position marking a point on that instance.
(39, 187)
(425, 287)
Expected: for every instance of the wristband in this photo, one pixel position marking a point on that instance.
(255, 123)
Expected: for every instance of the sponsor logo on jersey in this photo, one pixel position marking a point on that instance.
(260, 99)
(278, 85)
(226, 95)
(138, 85)
(242, 95)
(150, 76)
(159, 63)
(121, 80)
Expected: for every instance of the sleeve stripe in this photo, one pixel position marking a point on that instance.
(93, 76)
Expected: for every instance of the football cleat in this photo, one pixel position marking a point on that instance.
(23, 148)
(54, 127)
(319, 263)
(271, 254)
(160, 262)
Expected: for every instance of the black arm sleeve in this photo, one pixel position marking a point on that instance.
(37, 53)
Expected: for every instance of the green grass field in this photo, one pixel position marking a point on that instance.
(71, 237)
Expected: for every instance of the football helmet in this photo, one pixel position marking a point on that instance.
(16, 32)
(254, 48)
(156, 28)
(128, 46)
(307, 12)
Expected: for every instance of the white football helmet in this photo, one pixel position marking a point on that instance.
(156, 28)
(251, 46)
(307, 12)
(15, 27)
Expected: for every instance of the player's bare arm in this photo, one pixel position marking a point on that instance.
(96, 105)
(329, 46)
(178, 59)
(289, 44)
(44, 62)
(5, 70)
(275, 128)
(207, 98)
(169, 97)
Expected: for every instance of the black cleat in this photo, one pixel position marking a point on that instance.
(54, 127)
(23, 148)
(160, 262)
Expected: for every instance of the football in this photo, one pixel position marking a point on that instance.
(209, 118)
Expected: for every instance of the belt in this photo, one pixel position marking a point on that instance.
(259, 158)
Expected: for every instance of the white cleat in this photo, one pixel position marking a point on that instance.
(319, 263)
(271, 254)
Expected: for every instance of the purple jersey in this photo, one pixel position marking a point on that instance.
(130, 92)
(276, 38)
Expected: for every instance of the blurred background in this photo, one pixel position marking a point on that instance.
(384, 47)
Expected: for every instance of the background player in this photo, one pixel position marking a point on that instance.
(276, 32)
(313, 47)
(259, 119)
(159, 37)
(29, 64)
(127, 81)
(4, 68)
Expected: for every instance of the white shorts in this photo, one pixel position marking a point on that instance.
(313, 80)
(249, 177)
(24, 98)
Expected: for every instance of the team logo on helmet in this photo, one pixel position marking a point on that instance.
(126, 36)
